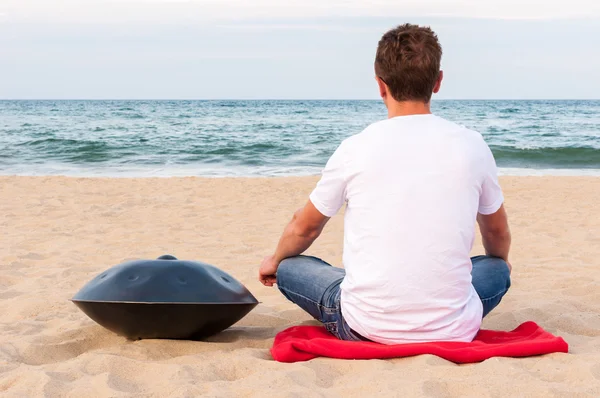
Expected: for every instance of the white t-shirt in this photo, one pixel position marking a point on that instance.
(413, 187)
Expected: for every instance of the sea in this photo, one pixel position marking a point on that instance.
(219, 138)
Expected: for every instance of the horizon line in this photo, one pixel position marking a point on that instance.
(289, 99)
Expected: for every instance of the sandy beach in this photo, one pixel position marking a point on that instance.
(59, 232)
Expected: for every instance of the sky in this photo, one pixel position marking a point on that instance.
(290, 49)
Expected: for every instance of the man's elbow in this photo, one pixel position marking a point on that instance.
(498, 233)
(306, 231)
(303, 229)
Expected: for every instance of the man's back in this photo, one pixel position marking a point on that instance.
(414, 185)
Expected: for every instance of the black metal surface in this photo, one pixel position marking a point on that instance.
(165, 281)
(165, 321)
(165, 298)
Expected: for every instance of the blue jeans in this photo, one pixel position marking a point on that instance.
(314, 285)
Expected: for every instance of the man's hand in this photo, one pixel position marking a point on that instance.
(300, 233)
(267, 271)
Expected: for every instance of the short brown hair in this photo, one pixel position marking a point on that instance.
(408, 61)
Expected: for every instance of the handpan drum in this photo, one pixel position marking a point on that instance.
(165, 298)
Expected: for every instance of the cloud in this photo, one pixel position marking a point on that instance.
(181, 11)
(303, 26)
(317, 57)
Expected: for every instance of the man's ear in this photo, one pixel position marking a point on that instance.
(438, 83)
(383, 88)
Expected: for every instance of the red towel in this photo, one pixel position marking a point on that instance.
(301, 343)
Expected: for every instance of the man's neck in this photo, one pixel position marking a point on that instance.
(407, 108)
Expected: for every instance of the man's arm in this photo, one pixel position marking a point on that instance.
(306, 226)
(495, 233)
(325, 201)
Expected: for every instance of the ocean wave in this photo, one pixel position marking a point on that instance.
(126, 115)
(248, 149)
(510, 110)
(71, 150)
(264, 136)
(568, 157)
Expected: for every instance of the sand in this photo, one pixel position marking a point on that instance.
(59, 232)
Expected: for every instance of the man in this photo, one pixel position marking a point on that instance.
(415, 185)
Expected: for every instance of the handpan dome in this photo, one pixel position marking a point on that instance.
(165, 298)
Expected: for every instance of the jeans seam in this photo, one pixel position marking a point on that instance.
(304, 297)
(494, 296)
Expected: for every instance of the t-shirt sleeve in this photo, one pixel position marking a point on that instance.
(491, 197)
(330, 193)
